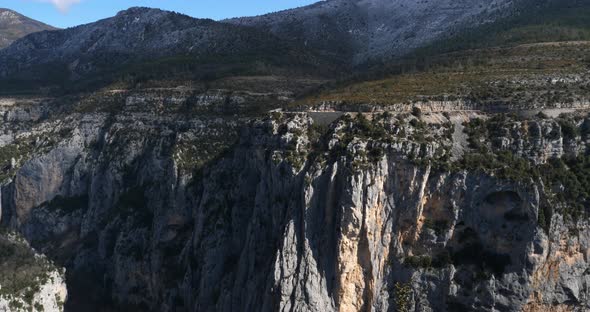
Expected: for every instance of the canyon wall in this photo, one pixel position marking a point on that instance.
(169, 211)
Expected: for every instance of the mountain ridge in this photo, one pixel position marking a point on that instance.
(329, 38)
(369, 29)
(140, 35)
(332, 36)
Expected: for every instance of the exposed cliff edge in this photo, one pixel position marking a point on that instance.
(385, 212)
(28, 281)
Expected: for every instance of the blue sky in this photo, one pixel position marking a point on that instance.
(67, 13)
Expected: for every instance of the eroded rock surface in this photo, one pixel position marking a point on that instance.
(152, 210)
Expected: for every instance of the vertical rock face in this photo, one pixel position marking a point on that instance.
(299, 216)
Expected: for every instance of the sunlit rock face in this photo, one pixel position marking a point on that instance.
(297, 212)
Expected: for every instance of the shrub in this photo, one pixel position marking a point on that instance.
(585, 131)
(417, 112)
(403, 295)
(418, 261)
(572, 176)
(439, 226)
(568, 129)
(442, 259)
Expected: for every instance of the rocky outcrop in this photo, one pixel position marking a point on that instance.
(28, 281)
(445, 106)
(148, 211)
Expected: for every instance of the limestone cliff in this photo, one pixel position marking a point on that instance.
(164, 210)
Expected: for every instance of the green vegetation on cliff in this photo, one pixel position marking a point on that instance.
(22, 272)
(565, 179)
(525, 74)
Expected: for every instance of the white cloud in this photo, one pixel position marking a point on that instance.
(63, 5)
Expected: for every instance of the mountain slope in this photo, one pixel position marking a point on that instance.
(327, 38)
(142, 41)
(532, 22)
(14, 26)
(368, 29)
(527, 75)
(536, 55)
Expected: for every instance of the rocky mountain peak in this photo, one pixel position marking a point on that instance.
(145, 12)
(137, 10)
(14, 25)
(9, 16)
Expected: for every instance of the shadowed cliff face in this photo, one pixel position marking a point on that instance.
(380, 212)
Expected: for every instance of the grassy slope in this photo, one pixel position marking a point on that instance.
(521, 73)
(512, 59)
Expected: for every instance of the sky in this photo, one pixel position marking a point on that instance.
(68, 13)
